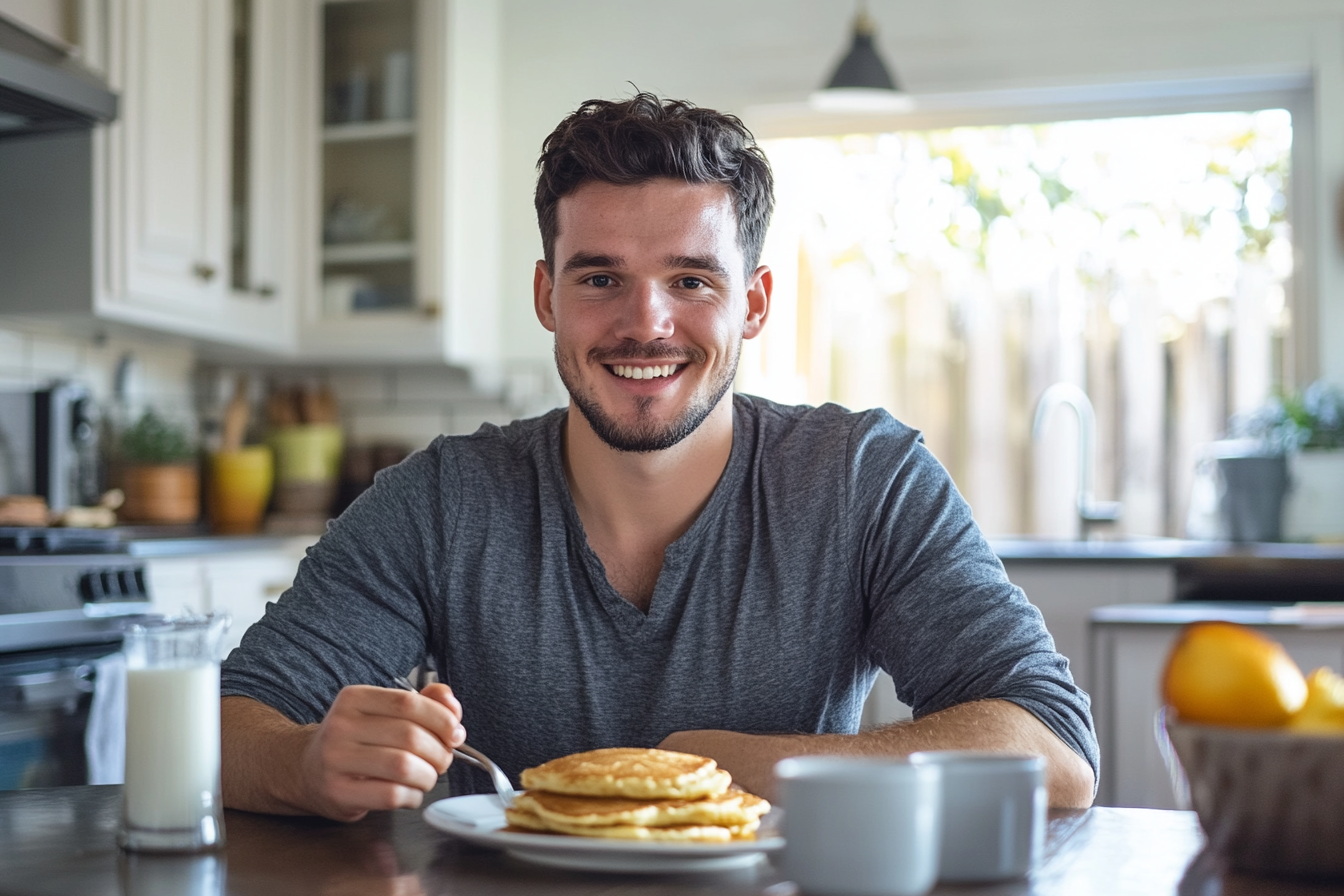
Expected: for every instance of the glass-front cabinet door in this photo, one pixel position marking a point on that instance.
(375, 234)
(368, 157)
(398, 181)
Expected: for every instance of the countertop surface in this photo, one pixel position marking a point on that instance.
(181, 541)
(1161, 549)
(61, 841)
(200, 545)
(1309, 615)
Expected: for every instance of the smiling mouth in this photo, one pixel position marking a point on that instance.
(643, 372)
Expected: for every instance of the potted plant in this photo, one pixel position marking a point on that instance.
(1308, 426)
(157, 469)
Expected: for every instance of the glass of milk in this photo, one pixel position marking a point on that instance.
(170, 801)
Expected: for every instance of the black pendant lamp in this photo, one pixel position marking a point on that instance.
(862, 68)
(862, 81)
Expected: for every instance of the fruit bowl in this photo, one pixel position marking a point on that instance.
(1270, 800)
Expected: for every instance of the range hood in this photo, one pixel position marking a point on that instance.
(43, 89)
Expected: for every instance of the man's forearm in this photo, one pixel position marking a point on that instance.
(994, 725)
(261, 757)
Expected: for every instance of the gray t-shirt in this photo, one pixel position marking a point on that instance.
(834, 544)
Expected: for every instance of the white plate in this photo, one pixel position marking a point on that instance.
(479, 819)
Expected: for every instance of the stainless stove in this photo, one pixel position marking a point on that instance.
(66, 596)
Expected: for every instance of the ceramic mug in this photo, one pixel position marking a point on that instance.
(994, 808)
(860, 827)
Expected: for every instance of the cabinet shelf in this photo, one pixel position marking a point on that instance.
(367, 253)
(368, 130)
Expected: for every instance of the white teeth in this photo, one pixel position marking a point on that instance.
(643, 373)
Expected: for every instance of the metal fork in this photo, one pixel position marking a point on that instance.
(474, 757)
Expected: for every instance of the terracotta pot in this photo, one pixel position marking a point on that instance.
(168, 493)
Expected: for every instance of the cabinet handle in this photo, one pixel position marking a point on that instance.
(430, 309)
(265, 291)
(203, 271)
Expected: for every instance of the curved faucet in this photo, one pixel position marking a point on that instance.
(1090, 510)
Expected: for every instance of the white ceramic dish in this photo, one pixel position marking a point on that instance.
(479, 819)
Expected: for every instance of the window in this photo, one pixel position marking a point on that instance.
(951, 275)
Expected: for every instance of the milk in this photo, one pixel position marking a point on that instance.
(172, 745)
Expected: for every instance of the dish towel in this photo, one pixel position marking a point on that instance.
(105, 735)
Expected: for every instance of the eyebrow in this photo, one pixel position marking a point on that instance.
(697, 262)
(584, 260)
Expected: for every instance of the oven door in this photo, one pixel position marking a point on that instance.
(44, 709)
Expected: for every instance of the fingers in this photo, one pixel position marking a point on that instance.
(440, 714)
(444, 694)
(381, 748)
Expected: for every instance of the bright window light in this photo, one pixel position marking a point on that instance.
(951, 276)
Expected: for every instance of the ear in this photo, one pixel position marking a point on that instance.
(541, 295)
(758, 301)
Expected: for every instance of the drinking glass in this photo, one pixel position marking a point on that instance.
(171, 800)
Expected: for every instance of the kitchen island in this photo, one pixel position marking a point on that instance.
(61, 841)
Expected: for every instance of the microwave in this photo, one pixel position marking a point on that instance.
(49, 445)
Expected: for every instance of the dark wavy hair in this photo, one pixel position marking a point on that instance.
(644, 137)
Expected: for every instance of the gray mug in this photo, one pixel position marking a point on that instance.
(994, 808)
(859, 827)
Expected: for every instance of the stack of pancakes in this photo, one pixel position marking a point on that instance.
(632, 793)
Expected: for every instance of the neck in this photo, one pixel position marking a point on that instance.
(642, 502)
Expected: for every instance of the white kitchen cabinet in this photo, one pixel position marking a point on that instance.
(1130, 646)
(1067, 591)
(399, 129)
(197, 215)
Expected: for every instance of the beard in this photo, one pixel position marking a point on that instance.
(645, 434)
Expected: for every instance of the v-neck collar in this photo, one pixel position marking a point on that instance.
(629, 618)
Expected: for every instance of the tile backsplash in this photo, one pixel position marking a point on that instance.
(157, 375)
(378, 404)
(406, 405)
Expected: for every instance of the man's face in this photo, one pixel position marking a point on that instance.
(649, 305)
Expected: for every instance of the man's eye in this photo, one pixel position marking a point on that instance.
(600, 280)
(691, 282)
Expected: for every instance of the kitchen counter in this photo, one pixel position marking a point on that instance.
(1162, 549)
(165, 541)
(204, 544)
(1320, 616)
(60, 841)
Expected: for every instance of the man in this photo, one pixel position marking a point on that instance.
(660, 563)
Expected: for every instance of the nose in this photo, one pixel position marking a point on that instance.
(645, 313)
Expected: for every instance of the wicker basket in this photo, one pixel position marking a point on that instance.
(1270, 801)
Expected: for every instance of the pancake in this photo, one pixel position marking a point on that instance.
(679, 833)
(521, 818)
(732, 809)
(634, 772)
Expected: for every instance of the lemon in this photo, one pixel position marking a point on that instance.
(1323, 713)
(1221, 673)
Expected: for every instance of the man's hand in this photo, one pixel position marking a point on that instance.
(377, 748)
(995, 725)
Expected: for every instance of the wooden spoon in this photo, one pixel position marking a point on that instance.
(235, 417)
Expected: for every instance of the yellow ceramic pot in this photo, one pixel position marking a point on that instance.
(240, 486)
